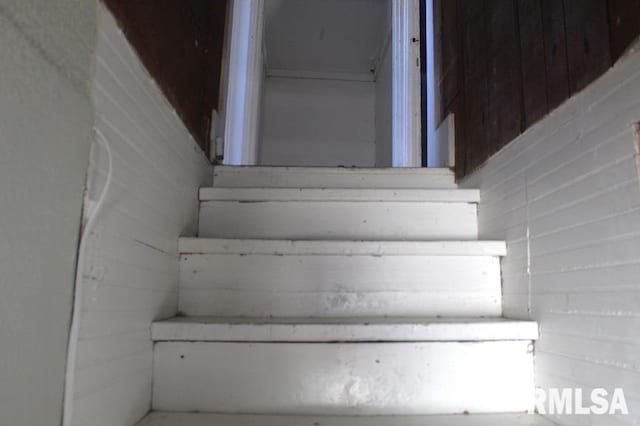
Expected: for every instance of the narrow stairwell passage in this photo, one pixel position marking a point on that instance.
(327, 296)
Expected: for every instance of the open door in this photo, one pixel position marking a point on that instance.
(308, 83)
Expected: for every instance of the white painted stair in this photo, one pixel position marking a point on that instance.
(333, 177)
(335, 214)
(340, 278)
(354, 329)
(443, 368)
(340, 292)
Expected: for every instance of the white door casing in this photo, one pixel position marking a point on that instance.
(246, 72)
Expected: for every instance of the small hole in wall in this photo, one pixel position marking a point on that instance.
(181, 356)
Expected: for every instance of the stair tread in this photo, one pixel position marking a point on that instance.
(338, 177)
(340, 194)
(205, 419)
(342, 247)
(341, 170)
(363, 329)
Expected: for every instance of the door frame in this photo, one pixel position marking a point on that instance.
(244, 86)
(246, 73)
(406, 121)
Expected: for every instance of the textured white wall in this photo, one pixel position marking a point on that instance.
(131, 273)
(313, 122)
(566, 197)
(45, 134)
(60, 32)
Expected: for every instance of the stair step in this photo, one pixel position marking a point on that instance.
(337, 194)
(205, 419)
(339, 214)
(356, 378)
(262, 278)
(224, 329)
(332, 177)
(344, 248)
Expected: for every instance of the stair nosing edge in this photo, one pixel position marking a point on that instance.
(194, 245)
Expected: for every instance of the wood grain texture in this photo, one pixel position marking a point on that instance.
(180, 43)
(588, 54)
(505, 75)
(476, 83)
(534, 76)
(518, 60)
(624, 21)
(555, 51)
(451, 57)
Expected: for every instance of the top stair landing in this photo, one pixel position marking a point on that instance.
(333, 177)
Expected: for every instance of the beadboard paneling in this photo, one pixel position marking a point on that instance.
(131, 274)
(566, 197)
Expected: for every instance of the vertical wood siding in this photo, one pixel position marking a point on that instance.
(180, 43)
(565, 195)
(131, 275)
(502, 65)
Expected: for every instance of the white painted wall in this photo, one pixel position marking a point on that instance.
(322, 105)
(383, 112)
(328, 36)
(45, 134)
(131, 272)
(316, 122)
(566, 197)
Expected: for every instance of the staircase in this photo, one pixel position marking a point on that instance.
(331, 295)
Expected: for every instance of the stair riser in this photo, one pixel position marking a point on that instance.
(357, 378)
(339, 285)
(339, 220)
(257, 177)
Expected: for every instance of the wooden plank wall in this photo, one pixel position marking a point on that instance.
(152, 200)
(180, 44)
(566, 198)
(502, 65)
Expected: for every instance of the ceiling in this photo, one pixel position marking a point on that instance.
(325, 36)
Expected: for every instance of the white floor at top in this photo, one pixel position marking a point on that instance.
(332, 177)
(203, 419)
